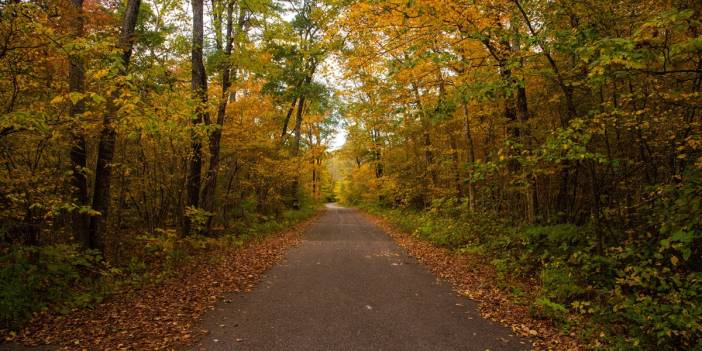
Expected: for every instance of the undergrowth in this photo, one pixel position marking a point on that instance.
(62, 278)
(642, 293)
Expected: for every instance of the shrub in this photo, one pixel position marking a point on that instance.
(545, 308)
(559, 283)
(59, 276)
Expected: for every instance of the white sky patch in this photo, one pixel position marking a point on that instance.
(339, 139)
(331, 74)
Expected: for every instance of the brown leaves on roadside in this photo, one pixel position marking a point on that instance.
(164, 316)
(473, 277)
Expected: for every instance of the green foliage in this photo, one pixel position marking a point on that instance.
(642, 294)
(259, 226)
(165, 251)
(64, 277)
(60, 277)
(545, 308)
(559, 283)
(198, 218)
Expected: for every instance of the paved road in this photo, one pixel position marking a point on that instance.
(349, 287)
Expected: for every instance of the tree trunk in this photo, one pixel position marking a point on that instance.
(471, 156)
(298, 126)
(318, 167)
(287, 119)
(375, 136)
(208, 195)
(427, 138)
(106, 146)
(510, 103)
(313, 163)
(456, 169)
(79, 181)
(199, 91)
(562, 199)
(290, 112)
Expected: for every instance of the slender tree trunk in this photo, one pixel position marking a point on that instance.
(287, 119)
(510, 101)
(300, 110)
(428, 154)
(290, 111)
(595, 210)
(106, 146)
(298, 126)
(522, 109)
(208, 196)
(523, 117)
(456, 171)
(375, 136)
(313, 163)
(298, 129)
(199, 90)
(471, 156)
(317, 160)
(79, 181)
(296, 151)
(562, 199)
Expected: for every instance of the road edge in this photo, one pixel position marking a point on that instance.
(474, 279)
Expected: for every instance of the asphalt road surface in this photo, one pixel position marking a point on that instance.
(349, 287)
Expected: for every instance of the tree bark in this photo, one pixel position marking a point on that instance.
(428, 154)
(455, 164)
(297, 130)
(208, 195)
(287, 119)
(199, 91)
(298, 126)
(375, 139)
(79, 181)
(106, 146)
(290, 111)
(471, 156)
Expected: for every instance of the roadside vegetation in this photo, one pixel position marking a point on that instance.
(63, 278)
(558, 140)
(141, 138)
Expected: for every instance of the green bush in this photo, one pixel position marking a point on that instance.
(198, 219)
(163, 253)
(64, 277)
(35, 278)
(262, 225)
(559, 283)
(643, 289)
(666, 314)
(545, 308)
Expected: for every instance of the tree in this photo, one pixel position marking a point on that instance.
(79, 162)
(199, 91)
(106, 145)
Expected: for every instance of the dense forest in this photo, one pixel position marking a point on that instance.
(559, 140)
(143, 125)
(562, 140)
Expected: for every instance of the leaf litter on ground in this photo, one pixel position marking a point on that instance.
(163, 316)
